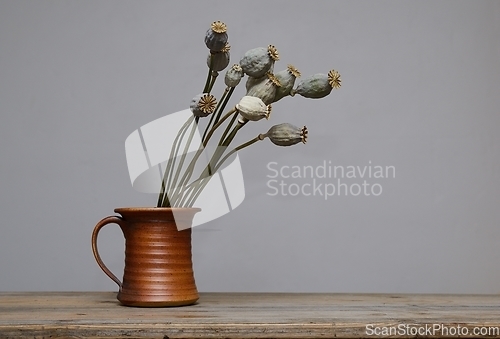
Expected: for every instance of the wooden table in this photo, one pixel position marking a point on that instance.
(247, 315)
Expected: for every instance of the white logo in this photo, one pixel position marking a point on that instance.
(148, 151)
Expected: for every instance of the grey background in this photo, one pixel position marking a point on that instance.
(420, 92)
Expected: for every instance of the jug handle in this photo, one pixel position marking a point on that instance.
(95, 233)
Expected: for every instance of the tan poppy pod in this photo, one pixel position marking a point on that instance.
(253, 108)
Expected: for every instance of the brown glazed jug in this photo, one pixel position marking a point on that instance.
(158, 261)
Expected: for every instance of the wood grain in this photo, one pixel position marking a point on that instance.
(238, 315)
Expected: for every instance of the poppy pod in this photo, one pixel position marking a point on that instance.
(216, 36)
(203, 105)
(233, 76)
(253, 108)
(287, 134)
(318, 85)
(265, 89)
(256, 62)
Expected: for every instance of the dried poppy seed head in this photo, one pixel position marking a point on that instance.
(287, 134)
(203, 105)
(256, 62)
(233, 76)
(334, 79)
(218, 60)
(253, 108)
(216, 36)
(287, 79)
(265, 88)
(251, 81)
(318, 85)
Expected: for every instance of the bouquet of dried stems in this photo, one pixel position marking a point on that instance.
(263, 88)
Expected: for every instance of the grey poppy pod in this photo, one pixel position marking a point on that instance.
(253, 108)
(203, 105)
(265, 89)
(287, 80)
(220, 60)
(318, 85)
(287, 134)
(256, 62)
(251, 81)
(216, 36)
(233, 76)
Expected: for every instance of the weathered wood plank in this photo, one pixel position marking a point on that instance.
(240, 315)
